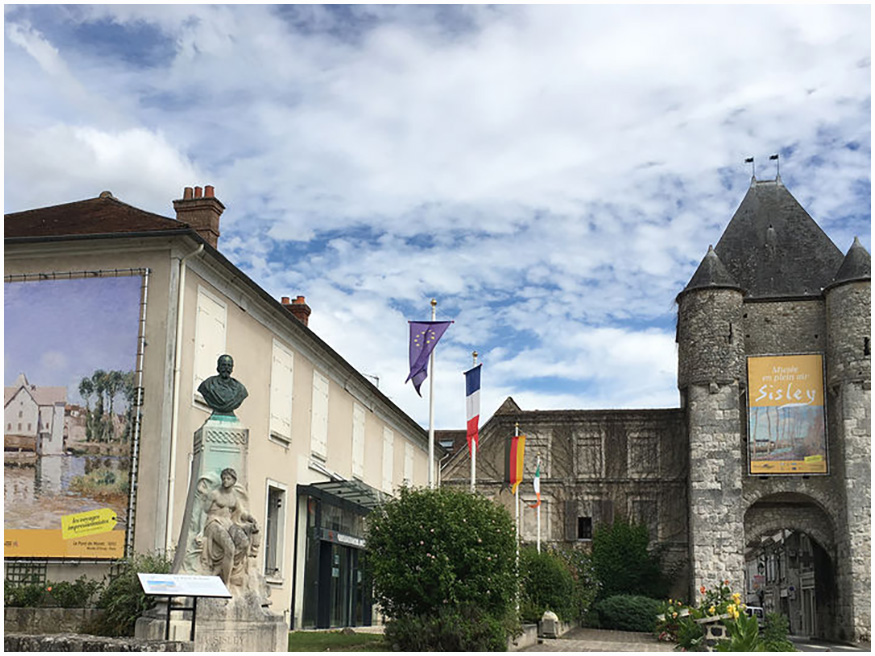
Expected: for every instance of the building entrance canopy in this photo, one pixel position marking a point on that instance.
(353, 491)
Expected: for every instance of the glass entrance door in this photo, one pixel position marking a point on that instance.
(339, 588)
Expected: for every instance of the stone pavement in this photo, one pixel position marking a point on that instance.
(602, 640)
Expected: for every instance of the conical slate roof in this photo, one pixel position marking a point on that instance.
(711, 273)
(773, 248)
(857, 265)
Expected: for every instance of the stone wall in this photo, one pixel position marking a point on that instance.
(80, 643)
(47, 620)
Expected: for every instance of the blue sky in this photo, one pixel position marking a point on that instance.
(551, 174)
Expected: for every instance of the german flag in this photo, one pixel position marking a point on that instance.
(514, 453)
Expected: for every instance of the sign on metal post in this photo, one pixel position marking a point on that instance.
(182, 585)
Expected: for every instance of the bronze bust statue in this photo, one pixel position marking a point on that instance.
(222, 393)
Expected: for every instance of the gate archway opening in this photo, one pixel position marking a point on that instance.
(790, 562)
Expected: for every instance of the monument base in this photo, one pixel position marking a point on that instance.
(239, 624)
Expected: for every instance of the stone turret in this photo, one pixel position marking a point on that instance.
(710, 370)
(848, 371)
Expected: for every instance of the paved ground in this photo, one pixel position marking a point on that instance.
(602, 640)
(813, 644)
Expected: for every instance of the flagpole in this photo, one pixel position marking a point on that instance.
(516, 433)
(539, 507)
(431, 405)
(474, 446)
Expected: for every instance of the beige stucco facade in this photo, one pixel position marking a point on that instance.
(255, 328)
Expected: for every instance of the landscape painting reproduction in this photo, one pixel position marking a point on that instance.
(786, 421)
(69, 414)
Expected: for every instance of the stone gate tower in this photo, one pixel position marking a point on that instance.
(775, 285)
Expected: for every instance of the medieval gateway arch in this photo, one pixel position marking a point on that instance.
(762, 475)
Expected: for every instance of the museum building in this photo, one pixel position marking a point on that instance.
(325, 445)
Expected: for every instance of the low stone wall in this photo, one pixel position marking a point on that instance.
(47, 620)
(81, 642)
(531, 636)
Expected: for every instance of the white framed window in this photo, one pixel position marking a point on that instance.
(388, 458)
(358, 440)
(319, 416)
(408, 464)
(210, 329)
(274, 530)
(282, 375)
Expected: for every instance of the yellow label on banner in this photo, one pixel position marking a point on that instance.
(787, 380)
(92, 522)
(48, 543)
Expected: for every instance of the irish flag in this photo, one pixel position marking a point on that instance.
(472, 406)
(537, 485)
(513, 461)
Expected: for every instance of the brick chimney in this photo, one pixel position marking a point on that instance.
(200, 209)
(298, 308)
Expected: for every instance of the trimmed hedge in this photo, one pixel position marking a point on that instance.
(628, 613)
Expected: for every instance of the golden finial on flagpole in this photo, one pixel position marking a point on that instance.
(474, 355)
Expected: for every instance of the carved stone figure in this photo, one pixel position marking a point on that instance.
(222, 393)
(230, 535)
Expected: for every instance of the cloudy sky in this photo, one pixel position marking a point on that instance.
(551, 174)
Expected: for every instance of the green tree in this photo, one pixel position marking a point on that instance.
(439, 560)
(623, 562)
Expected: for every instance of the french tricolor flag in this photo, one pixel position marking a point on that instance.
(472, 405)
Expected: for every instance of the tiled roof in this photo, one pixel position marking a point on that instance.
(95, 216)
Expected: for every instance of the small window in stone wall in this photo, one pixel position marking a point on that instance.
(643, 455)
(584, 528)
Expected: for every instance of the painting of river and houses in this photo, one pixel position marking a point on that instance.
(70, 385)
(786, 415)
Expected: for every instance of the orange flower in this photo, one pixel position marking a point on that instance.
(702, 589)
(726, 582)
(49, 589)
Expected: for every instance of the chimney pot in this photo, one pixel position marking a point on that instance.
(299, 308)
(200, 212)
(209, 191)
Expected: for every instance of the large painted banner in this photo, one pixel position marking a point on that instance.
(786, 415)
(70, 360)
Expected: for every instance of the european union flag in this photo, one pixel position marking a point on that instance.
(424, 336)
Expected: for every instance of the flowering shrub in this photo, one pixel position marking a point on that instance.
(62, 594)
(677, 623)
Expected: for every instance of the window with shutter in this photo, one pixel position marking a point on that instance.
(319, 416)
(210, 328)
(388, 459)
(358, 440)
(282, 373)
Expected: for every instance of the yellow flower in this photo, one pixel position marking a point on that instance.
(674, 614)
(712, 610)
(736, 597)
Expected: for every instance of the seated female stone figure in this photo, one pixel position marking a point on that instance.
(222, 393)
(230, 534)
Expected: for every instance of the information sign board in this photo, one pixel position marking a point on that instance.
(183, 585)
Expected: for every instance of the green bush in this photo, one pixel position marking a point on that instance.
(586, 584)
(545, 584)
(690, 635)
(623, 563)
(435, 548)
(24, 596)
(63, 594)
(449, 629)
(775, 631)
(123, 599)
(628, 613)
(78, 594)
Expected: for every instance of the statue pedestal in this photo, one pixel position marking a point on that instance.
(239, 624)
